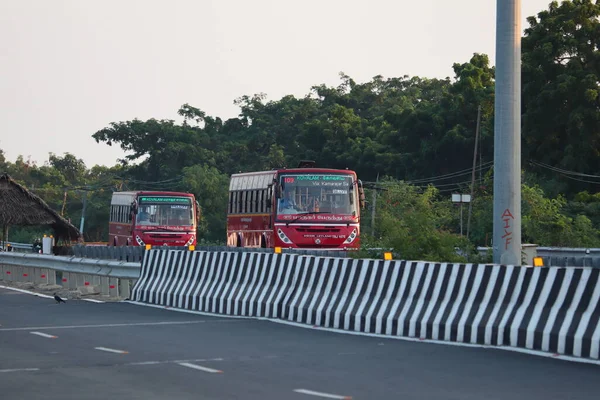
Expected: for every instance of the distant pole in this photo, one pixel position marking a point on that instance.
(461, 218)
(473, 171)
(374, 201)
(507, 134)
(62, 211)
(83, 212)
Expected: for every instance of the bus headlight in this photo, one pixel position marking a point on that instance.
(139, 240)
(352, 236)
(191, 241)
(282, 236)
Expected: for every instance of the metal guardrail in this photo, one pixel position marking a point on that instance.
(563, 256)
(109, 268)
(136, 253)
(21, 246)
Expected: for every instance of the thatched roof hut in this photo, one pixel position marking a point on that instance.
(20, 207)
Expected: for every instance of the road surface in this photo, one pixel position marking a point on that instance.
(82, 350)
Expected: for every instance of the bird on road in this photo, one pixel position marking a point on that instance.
(58, 299)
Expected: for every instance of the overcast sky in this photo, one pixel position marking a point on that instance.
(70, 67)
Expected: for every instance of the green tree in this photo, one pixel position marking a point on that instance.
(561, 102)
(416, 224)
(211, 189)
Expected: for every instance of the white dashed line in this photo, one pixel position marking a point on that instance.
(19, 369)
(111, 350)
(201, 368)
(320, 394)
(44, 335)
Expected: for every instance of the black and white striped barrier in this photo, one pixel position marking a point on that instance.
(549, 309)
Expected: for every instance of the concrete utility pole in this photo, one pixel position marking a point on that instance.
(507, 134)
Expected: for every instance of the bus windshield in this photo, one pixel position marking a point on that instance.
(316, 194)
(165, 211)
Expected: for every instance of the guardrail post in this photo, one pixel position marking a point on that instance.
(79, 280)
(104, 286)
(88, 281)
(28, 274)
(113, 287)
(96, 281)
(17, 274)
(72, 282)
(65, 278)
(39, 275)
(124, 288)
(6, 272)
(49, 275)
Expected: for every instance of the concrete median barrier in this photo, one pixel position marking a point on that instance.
(554, 310)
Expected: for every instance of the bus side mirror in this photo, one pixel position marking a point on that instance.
(268, 199)
(132, 211)
(277, 191)
(361, 195)
(198, 212)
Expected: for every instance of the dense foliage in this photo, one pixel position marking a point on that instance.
(417, 134)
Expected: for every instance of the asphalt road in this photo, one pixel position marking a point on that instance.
(82, 350)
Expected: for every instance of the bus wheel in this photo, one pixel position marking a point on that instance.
(239, 241)
(115, 242)
(263, 242)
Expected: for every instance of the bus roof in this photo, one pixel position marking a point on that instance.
(126, 198)
(261, 179)
(251, 180)
(315, 171)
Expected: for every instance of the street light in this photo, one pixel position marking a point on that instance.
(461, 199)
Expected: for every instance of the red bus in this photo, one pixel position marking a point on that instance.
(303, 208)
(154, 218)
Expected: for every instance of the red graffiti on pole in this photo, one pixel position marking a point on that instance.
(506, 217)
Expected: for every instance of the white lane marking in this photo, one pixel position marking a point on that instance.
(19, 369)
(110, 325)
(111, 350)
(44, 335)
(320, 394)
(174, 361)
(231, 318)
(94, 301)
(201, 368)
(146, 363)
(27, 291)
(45, 296)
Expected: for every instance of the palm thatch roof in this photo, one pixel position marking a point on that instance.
(20, 207)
